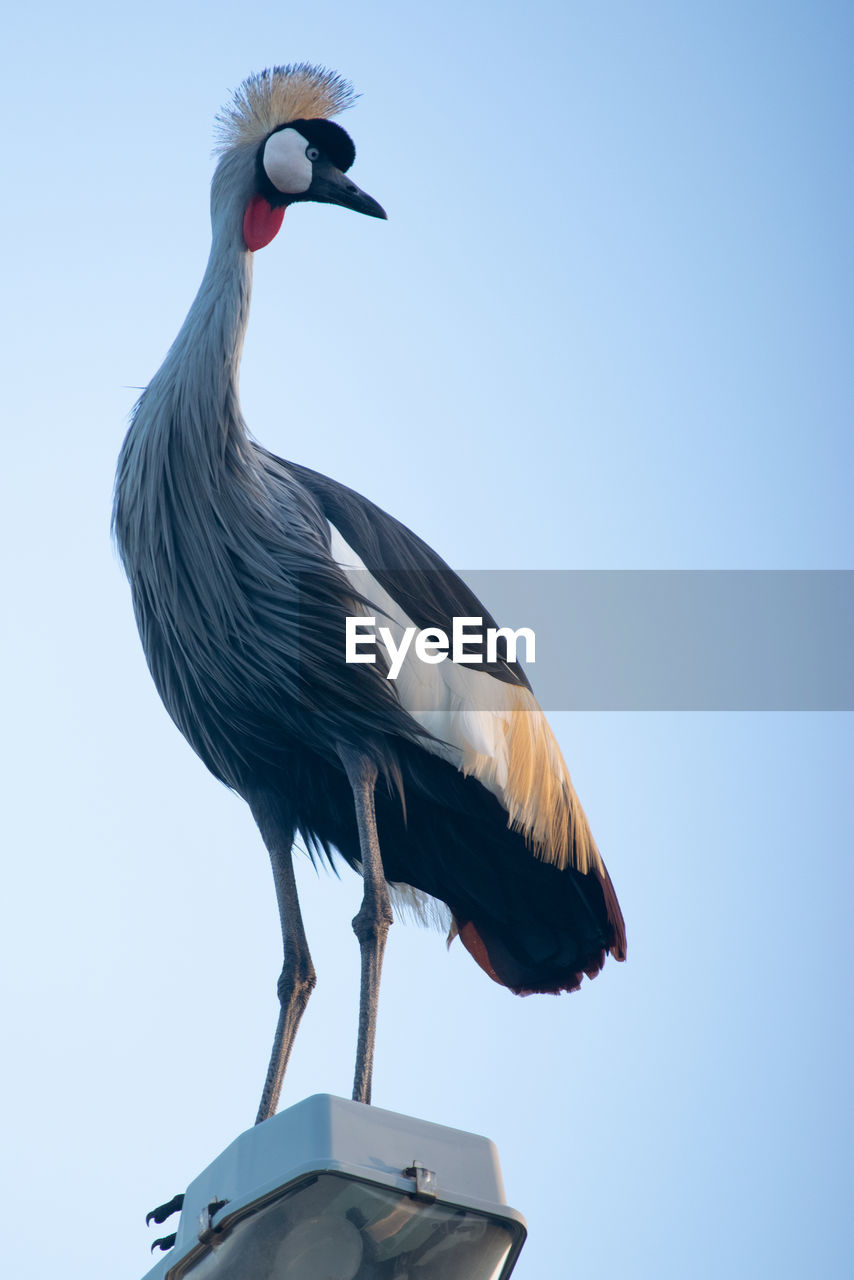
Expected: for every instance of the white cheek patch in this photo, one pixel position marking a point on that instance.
(286, 164)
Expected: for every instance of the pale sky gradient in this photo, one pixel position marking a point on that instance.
(607, 325)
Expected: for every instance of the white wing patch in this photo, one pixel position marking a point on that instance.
(489, 729)
(419, 907)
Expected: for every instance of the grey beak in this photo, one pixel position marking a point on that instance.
(331, 186)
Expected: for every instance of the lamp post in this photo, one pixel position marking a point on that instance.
(335, 1190)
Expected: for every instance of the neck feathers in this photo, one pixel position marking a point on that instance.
(187, 432)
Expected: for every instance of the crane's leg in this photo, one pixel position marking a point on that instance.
(372, 921)
(297, 979)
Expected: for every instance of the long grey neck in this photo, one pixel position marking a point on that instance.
(187, 434)
(197, 384)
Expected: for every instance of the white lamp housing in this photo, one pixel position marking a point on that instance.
(335, 1190)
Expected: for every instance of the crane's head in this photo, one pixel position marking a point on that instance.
(278, 134)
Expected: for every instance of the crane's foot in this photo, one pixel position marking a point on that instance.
(164, 1211)
(165, 1243)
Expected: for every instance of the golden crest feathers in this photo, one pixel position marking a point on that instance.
(271, 98)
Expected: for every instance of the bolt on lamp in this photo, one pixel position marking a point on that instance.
(335, 1190)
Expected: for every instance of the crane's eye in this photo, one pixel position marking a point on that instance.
(312, 153)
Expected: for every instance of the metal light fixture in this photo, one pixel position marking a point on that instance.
(335, 1190)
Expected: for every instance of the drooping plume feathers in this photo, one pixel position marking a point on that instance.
(273, 97)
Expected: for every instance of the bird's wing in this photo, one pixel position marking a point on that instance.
(483, 719)
(428, 591)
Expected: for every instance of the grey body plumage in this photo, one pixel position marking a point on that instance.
(225, 551)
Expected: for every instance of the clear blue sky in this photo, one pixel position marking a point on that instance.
(607, 325)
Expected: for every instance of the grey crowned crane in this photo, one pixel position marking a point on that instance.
(445, 785)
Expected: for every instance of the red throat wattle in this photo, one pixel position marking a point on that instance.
(261, 222)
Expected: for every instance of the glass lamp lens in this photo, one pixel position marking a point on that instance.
(334, 1228)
